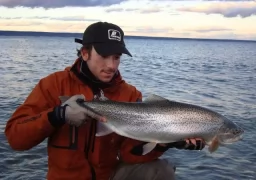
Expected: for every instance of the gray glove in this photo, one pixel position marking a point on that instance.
(72, 113)
(75, 114)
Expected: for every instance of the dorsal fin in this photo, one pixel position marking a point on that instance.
(63, 99)
(152, 98)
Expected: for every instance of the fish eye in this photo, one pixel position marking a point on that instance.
(237, 131)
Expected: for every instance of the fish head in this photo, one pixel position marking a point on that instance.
(229, 132)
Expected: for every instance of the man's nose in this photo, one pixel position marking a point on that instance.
(111, 62)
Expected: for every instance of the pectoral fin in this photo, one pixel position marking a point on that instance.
(148, 147)
(102, 129)
(214, 145)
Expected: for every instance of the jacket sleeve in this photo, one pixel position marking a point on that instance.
(29, 124)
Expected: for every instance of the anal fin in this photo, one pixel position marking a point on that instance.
(148, 147)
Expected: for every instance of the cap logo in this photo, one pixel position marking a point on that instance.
(114, 35)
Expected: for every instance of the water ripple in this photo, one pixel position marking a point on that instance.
(218, 75)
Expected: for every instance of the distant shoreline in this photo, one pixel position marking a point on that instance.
(79, 35)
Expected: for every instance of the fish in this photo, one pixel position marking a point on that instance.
(160, 120)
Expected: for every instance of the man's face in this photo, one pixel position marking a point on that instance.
(103, 68)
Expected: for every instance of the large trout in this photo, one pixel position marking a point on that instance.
(159, 120)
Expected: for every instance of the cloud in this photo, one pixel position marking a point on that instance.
(57, 3)
(209, 29)
(65, 18)
(152, 30)
(142, 11)
(131, 9)
(227, 9)
(10, 18)
(19, 23)
(201, 0)
(115, 10)
(150, 10)
(145, 30)
(75, 18)
(43, 26)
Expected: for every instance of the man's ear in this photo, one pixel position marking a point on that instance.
(85, 54)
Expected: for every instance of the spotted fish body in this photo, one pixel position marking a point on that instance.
(158, 120)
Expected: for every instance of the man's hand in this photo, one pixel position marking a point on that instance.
(189, 144)
(77, 115)
(72, 112)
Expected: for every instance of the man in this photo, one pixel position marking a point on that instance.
(75, 150)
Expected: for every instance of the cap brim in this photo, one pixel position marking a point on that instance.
(80, 41)
(106, 49)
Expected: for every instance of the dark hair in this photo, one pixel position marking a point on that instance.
(88, 47)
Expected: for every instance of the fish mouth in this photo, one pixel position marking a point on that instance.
(238, 131)
(232, 140)
(229, 133)
(232, 136)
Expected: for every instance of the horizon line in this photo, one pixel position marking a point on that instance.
(75, 34)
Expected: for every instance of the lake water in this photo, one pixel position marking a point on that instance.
(220, 75)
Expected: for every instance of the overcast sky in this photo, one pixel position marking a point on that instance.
(165, 18)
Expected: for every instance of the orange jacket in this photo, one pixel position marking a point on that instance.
(73, 153)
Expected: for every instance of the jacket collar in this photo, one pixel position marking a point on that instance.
(75, 73)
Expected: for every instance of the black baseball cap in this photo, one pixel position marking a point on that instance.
(107, 38)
